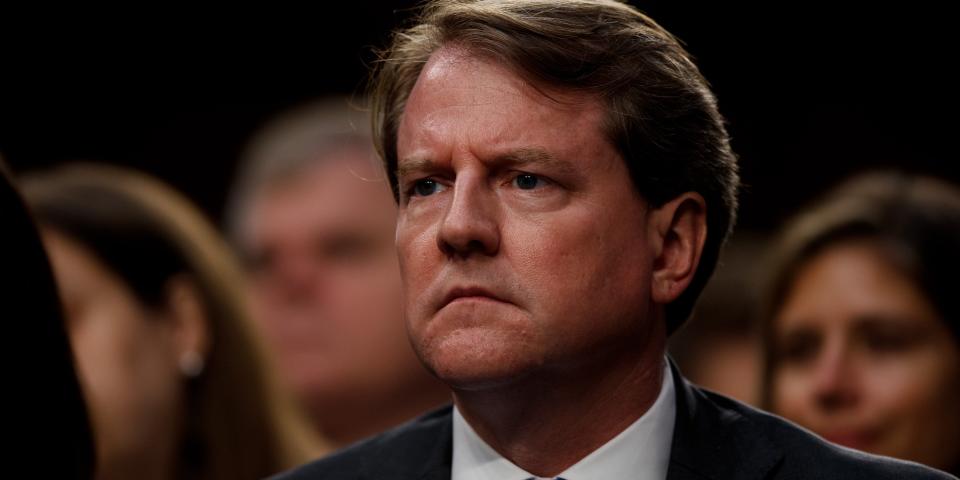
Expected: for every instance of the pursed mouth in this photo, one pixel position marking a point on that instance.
(463, 293)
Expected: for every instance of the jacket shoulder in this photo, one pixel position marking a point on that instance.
(805, 455)
(396, 453)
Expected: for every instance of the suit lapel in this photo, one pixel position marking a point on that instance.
(714, 442)
(423, 455)
(438, 465)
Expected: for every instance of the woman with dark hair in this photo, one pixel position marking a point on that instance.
(172, 371)
(46, 427)
(862, 322)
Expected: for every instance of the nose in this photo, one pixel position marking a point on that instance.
(470, 224)
(296, 281)
(835, 378)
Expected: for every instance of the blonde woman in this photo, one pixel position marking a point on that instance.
(174, 375)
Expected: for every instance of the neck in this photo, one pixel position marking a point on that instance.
(550, 420)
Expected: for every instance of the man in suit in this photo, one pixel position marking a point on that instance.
(313, 216)
(565, 184)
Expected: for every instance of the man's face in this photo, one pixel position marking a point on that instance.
(523, 243)
(326, 284)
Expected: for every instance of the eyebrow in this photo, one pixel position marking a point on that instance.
(514, 158)
(413, 165)
(536, 156)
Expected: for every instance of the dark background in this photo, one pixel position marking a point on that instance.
(812, 91)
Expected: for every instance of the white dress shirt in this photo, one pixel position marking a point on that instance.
(641, 451)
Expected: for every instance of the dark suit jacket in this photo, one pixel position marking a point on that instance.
(714, 438)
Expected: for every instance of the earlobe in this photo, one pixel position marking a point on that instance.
(191, 335)
(681, 227)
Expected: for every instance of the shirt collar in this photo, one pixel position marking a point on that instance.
(640, 451)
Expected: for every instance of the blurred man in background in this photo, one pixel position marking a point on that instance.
(313, 215)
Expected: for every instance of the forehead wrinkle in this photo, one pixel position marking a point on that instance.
(493, 97)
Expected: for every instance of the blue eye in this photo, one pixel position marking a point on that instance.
(426, 187)
(526, 181)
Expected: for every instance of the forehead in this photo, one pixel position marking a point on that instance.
(345, 190)
(464, 98)
(847, 282)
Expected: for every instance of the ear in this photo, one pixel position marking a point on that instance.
(680, 231)
(188, 317)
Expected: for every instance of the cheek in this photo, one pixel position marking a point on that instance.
(419, 259)
(916, 401)
(369, 315)
(791, 395)
(574, 261)
(129, 378)
(363, 291)
(918, 389)
(539, 259)
(106, 355)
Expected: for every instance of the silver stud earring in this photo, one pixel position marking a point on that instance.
(191, 364)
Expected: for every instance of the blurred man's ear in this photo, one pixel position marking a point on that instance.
(191, 332)
(678, 232)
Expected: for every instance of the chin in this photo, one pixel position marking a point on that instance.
(479, 358)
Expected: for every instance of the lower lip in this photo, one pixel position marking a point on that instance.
(473, 298)
(477, 298)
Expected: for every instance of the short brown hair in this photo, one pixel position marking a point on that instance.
(661, 114)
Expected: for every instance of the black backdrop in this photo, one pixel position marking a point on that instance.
(813, 91)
